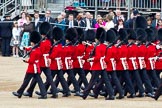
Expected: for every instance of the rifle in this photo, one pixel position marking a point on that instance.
(35, 46)
(54, 46)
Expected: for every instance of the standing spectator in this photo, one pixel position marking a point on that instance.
(22, 20)
(86, 22)
(120, 24)
(105, 4)
(63, 14)
(155, 21)
(41, 5)
(131, 22)
(71, 22)
(159, 24)
(109, 24)
(127, 3)
(60, 23)
(15, 41)
(26, 29)
(117, 17)
(93, 21)
(36, 21)
(112, 14)
(26, 4)
(100, 22)
(6, 34)
(79, 19)
(149, 22)
(48, 17)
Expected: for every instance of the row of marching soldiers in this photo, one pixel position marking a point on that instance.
(121, 62)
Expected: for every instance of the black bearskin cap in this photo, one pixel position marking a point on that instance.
(110, 36)
(116, 32)
(131, 34)
(123, 34)
(90, 35)
(35, 37)
(150, 34)
(140, 22)
(141, 34)
(57, 33)
(101, 34)
(71, 34)
(80, 34)
(160, 34)
(44, 28)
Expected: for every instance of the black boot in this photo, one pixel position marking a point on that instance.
(27, 94)
(17, 94)
(43, 97)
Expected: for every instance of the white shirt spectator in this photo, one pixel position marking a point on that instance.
(109, 25)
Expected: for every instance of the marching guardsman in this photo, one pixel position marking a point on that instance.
(158, 62)
(132, 62)
(78, 53)
(67, 58)
(98, 68)
(122, 64)
(110, 59)
(45, 46)
(56, 62)
(88, 42)
(141, 38)
(150, 57)
(89, 45)
(33, 70)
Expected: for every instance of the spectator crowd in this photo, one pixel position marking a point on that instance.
(16, 34)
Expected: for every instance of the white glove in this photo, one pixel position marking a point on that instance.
(158, 47)
(156, 58)
(161, 75)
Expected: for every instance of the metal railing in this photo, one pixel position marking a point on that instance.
(8, 6)
(140, 4)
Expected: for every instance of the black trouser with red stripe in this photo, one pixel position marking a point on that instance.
(145, 79)
(154, 78)
(125, 76)
(82, 76)
(137, 80)
(159, 91)
(26, 81)
(103, 80)
(61, 78)
(49, 79)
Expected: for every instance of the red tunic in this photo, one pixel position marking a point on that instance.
(132, 57)
(87, 65)
(55, 56)
(78, 56)
(158, 63)
(33, 61)
(142, 56)
(67, 54)
(98, 62)
(110, 59)
(150, 61)
(45, 47)
(121, 61)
